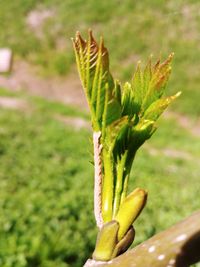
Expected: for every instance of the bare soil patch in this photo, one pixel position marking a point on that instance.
(193, 126)
(64, 89)
(14, 103)
(76, 122)
(36, 19)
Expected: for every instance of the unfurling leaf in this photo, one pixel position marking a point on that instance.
(93, 65)
(160, 73)
(129, 106)
(141, 132)
(148, 85)
(156, 108)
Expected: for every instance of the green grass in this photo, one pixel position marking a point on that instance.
(44, 211)
(46, 182)
(133, 30)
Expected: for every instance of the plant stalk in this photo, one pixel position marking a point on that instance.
(97, 178)
(107, 188)
(121, 169)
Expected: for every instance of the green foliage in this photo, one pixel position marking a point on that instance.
(42, 219)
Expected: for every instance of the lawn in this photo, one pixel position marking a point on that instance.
(44, 212)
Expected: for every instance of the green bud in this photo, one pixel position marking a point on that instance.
(130, 210)
(124, 243)
(106, 241)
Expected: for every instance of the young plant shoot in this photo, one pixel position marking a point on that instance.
(123, 117)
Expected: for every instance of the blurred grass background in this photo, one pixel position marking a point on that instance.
(46, 180)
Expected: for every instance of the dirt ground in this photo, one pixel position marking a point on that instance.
(65, 89)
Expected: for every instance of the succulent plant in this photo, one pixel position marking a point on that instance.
(123, 117)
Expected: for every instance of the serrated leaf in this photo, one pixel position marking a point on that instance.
(148, 85)
(121, 141)
(114, 129)
(158, 107)
(93, 65)
(140, 133)
(117, 92)
(129, 106)
(147, 76)
(113, 111)
(159, 78)
(138, 85)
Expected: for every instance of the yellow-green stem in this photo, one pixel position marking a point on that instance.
(126, 179)
(121, 168)
(124, 190)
